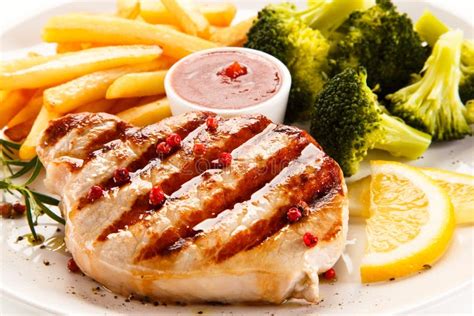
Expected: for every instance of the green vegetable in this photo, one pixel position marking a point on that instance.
(383, 41)
(328, 15)
(36, 203)
(432, 104)
(286, 33)
(430, 29)
(466, 85)
(348, 121)
(470, 111)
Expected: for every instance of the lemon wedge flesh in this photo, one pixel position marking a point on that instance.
(411, 222)
(460, 188)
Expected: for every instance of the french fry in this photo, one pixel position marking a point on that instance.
(171, 27)
(153, 11)
(189, 17)
(128, 9)
(62, 48)
(26, 62)
(12, 104)
(97, 106)
(124, 104)
(28, 148)
(235, 35)
(73, 65)
(3, 94)
(147, 114)
(19, 132)
(217, 14)
(89, 88)
(30, 111)
(117, 31)
(138, 85)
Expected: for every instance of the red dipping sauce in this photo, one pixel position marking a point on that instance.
(226, 80)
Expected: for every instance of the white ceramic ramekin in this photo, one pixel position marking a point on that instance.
(273, 108)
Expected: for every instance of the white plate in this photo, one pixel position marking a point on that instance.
(24, 276)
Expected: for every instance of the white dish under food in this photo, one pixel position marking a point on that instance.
(25, 275)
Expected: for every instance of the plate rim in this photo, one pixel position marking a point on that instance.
(416, 307)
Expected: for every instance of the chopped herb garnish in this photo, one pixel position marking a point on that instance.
(36, 203)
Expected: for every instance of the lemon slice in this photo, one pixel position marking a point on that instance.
(411, 222)
(460, 188)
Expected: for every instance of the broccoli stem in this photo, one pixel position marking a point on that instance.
(326, 16)
(430, 27)
(402, 140)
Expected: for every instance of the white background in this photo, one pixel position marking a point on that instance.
(13, 11)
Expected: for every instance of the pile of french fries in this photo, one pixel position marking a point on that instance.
(114, 63)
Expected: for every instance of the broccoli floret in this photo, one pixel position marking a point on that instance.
(430, 29)
(433, 104)
(466, 85)
(383, 41)
(286, 33)
(348, 121)
(328, 15)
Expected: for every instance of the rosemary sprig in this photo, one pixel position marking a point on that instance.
(35, 202)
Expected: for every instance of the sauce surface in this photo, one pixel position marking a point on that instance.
(204, 81)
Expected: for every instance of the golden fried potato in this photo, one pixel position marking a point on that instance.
(102, 105)
(28, 148)
(3, 95)
(128, 9)
(125, 104)
(147, 114)
(235, 35)
(89, 88)
(29, 111)
(111, 30)
(189, 17)
(26, 62)
(138, 85)
(73, 65)
(12, 103)
(217, 14)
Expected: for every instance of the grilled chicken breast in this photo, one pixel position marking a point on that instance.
(223, 233)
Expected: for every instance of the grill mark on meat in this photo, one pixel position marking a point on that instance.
(326, 182)
(119, 132)
(81, 123)
(91, 133)
(249, 172)
(320, 181)
(139, 137)
(185, 165)
(62, 126)
(256, 226)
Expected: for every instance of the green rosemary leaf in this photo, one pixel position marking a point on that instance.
(8, 144)
(16, 162)
(7, 154)
(29, 214)
(51, 214)
(27, 168)
(3, 185)
(45, 199)
(36, 171)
